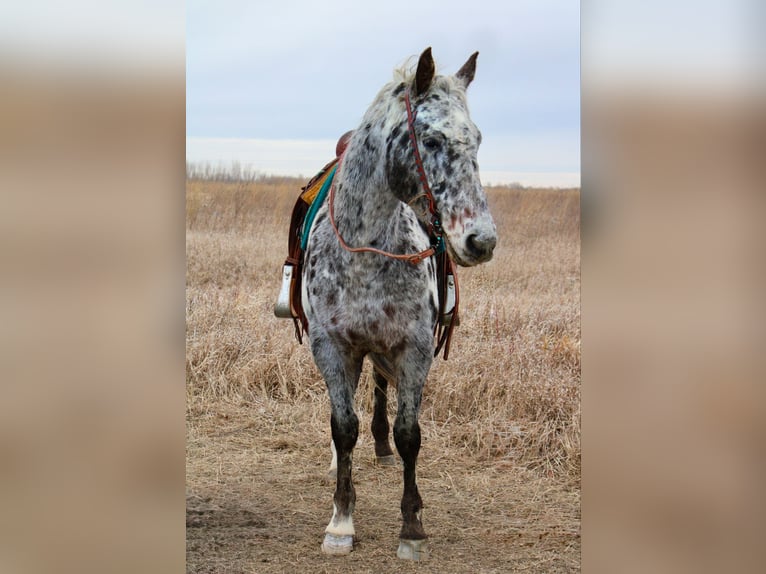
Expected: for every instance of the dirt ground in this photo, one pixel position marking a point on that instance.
(258, 500)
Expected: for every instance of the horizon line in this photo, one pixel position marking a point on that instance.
(303, 158)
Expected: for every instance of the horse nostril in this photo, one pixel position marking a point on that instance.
(481, 245)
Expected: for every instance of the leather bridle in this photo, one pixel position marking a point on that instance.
(435, 231)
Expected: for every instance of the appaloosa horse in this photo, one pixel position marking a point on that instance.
(407, 185)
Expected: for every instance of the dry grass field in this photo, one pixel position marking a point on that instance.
(499, 467)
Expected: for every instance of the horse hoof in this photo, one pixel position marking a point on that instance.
(388, 460)
(416, 550)
(337, 545)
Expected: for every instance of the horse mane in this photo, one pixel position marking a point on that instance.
(406, 72)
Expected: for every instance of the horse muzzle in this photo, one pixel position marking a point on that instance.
(480, 245)
(476, 246)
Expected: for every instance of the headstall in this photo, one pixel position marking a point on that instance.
(435, 231)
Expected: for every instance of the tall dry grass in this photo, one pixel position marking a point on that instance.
(511, 388)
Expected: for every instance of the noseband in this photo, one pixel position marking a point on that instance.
(435, 231)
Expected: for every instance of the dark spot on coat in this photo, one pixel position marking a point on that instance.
(399, 348)
(352, 335)
(332, 298)
(398, 89)
(368, 145)
(389, 310)
(397, 175)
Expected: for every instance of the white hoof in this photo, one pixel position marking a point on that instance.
(416, 550)
(337, 545)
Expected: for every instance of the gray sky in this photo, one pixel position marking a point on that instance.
(305, 71)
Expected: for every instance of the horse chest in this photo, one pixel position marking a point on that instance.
(374, 308)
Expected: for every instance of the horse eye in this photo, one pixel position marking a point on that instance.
(432, 144)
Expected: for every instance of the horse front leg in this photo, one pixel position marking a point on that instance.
(339, 534)
(341, 376)
(412, 538)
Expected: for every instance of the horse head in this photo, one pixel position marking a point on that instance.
(448, 143)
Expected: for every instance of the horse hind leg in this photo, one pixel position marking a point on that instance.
(384, 455)
(413, 544)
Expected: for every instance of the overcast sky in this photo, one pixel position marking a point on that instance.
(273, 83)
(306, 71)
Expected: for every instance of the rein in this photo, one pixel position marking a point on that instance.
(435, 229)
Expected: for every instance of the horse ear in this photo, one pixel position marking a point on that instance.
(425, 74)
(466, 73)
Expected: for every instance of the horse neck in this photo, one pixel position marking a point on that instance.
(366, 211)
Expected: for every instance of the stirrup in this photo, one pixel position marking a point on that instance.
(449, 305)
(282, 308)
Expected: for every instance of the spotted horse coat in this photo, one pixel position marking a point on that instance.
(364, 304)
